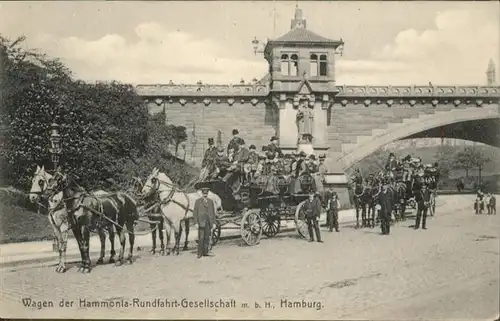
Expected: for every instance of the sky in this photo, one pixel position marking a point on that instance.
(386, 43)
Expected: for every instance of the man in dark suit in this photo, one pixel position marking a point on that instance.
(312, 211)
(385, 202)
(423, 202)
(204, 216)
(332, 210)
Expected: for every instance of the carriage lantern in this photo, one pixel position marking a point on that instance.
(55, 149)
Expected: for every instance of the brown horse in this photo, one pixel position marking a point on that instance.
(94, 211)
(151, 207)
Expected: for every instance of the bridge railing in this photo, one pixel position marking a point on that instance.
(203, 90)
(418, 91)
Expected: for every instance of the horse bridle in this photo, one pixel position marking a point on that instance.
(173, 189)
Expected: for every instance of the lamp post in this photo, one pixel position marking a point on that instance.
(55, 149)
(340, 49)
(255, 45)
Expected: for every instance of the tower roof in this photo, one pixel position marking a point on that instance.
(299, 33)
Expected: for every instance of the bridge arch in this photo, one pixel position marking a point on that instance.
(423, 126)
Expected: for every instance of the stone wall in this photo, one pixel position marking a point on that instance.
(256, 123)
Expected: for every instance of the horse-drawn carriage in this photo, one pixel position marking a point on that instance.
(256, 210)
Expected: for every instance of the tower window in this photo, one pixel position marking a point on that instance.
(322, 65)
(313, 65)
(284, 65)
(294, 65)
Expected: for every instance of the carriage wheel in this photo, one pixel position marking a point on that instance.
(300, 222)
(216, 233)
(251, 228)
(271, 222)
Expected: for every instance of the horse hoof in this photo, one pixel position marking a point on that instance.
(100, 261)
(152, 251)
(86, 270)
(119, 263)
(112, 260)
(185, 248)
(162, 252)
(61, 269)
(130, 261)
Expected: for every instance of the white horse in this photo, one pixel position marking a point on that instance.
(176, 205)
(57, 215)
(58, 218)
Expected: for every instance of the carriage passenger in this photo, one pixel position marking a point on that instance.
(391, 164)
(221, 163)
(293, 163)
(234, 143)
(274, 148)
(253, 163)
(261, 165)
(241, 160)
(407, 170)
(301, 165)
(207, 164)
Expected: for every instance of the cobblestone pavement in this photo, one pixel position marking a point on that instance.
(448, 271)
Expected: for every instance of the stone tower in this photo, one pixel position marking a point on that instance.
(490, 74)
(302, 84)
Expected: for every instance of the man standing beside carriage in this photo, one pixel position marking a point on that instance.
(204, 216)
(312, 211)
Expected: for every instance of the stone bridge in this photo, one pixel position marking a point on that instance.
(358, 119)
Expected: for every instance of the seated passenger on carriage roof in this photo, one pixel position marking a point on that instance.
(274, 148)
(234, 143)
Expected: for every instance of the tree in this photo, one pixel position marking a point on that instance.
(177, 136)
(444, 157)
(106, 129)
(470, 157)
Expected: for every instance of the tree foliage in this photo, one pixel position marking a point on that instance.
(470, 158)
(106, 129)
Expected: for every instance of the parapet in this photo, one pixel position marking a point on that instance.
(203, 90)
(418, 91)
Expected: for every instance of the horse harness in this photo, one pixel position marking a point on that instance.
(173, 190)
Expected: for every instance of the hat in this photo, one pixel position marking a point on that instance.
(312, 157)
(242, 142)
(302, 154)
(205, 190)
(252, 147)
(235, 132)
(274, 138)
(262, 156)
(391, 154)
(322, 156)
(210, 141)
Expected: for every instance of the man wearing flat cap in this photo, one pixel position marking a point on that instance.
(204, 216)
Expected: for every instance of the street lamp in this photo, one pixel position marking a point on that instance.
(255, 44)
(340, 49)
(55, 149)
